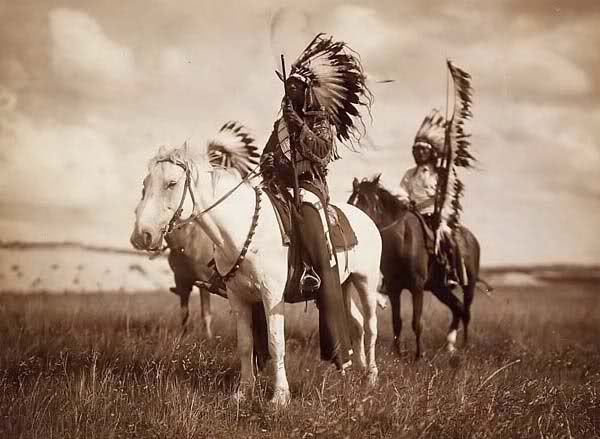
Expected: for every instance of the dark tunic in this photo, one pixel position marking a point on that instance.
(315, 149)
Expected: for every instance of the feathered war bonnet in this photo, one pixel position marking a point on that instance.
(336, 80)
(432, 132)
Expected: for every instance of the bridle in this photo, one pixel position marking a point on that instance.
(186, 188)
(176, 222)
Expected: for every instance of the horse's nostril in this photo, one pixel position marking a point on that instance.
(147, 239)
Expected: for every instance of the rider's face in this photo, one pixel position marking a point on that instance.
(422, 154)
(295, 92)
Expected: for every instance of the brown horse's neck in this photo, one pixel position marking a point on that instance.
(389, 220)
(186, 240)
(389, 209)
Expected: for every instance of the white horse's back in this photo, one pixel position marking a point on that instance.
(364, 258)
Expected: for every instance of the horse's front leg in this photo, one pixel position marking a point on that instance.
(446, 296)
(274, 312)
(205, 312)
(396, 304)
(243, 315)
(183, 289)
(417, 300)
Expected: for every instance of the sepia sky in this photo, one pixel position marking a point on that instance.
(89, 90)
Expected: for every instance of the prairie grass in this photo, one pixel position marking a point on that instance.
(111, 366)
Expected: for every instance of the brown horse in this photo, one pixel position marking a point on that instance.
(190, 252)
(406, 263)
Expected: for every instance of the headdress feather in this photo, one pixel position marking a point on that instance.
(233, 147)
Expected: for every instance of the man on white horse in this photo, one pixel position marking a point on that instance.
(325, 88)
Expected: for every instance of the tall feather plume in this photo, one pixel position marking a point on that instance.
(233, 147)
(337, 80)
(459, 154)
(463, 93)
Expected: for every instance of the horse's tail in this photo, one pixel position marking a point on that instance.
(487, 287)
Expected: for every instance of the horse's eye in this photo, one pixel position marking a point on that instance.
(171, 184)
(143, 192)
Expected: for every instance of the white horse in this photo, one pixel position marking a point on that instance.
(248, 248)
(190, 249)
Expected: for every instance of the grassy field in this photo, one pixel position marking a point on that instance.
(111, 366)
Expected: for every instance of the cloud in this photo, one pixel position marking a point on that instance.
(364, 28)
(69, 166)
(80, 47)
(13, 74)
(8, 100)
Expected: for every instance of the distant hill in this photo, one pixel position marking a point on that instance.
(74, 268)
(543, 274)
(71, 267)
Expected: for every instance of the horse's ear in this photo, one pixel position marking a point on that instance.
(185, 148)
(376, 179)
(355, 184)
(162, 150)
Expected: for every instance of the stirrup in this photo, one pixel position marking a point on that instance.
(309, 279)
(215, 284)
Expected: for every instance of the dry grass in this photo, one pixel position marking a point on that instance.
(114, 366)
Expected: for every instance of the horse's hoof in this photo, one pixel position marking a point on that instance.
(239, 396)
(382, 300)
(451, 339)
(361, 361)
(372, 376)
(399, 351)
(281, 398)
(455, 361)
(396, 346)
(242, 393)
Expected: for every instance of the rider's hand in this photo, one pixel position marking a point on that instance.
(267, 161)
(442, 231)
(291, 116)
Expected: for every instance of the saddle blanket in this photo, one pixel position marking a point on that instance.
(341, 234)
(340, 237)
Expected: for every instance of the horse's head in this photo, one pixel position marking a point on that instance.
(373, 199)
(364, 196)
(165, 188)
(174, 175)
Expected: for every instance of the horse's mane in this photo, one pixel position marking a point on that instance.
(380, 197)
(190, 157)
(166, 154)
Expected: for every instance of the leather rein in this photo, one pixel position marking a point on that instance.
(176, 223)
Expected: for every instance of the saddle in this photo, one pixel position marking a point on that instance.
(428, 233)
(341, 237)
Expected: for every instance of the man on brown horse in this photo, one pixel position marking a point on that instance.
(419, 188)
(325, 87)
